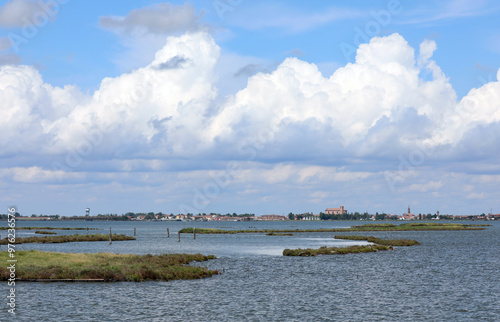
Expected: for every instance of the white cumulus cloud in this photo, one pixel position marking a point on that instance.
(307, 127)
(371, 100)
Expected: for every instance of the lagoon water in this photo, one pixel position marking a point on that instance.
(451, 276)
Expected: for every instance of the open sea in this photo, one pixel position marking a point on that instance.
(451, 276)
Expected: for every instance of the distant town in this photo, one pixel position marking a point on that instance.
(329, 214)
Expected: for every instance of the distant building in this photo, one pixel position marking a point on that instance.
(491, 216)
(463, 217)
(310, 216)
(272, 217)
(408, 215)
(336, 211)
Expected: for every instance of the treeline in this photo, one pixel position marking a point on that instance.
(131, 216)
(6, 216)
(116, 217)
(348, 216)
(222, 215)
(291, 216)
(149, 216)
(105, 217)
(323, 216)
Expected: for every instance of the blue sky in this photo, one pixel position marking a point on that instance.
(249, 106)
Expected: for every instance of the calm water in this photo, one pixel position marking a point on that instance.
(452, 276)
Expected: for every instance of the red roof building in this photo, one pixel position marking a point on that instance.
(336, 211)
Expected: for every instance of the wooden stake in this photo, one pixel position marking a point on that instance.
(110, 235)
(87, 230)
(168, 233)
(179, 236)
(194, 233)
(134, 231)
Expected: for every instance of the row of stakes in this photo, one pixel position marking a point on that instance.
(168, 234)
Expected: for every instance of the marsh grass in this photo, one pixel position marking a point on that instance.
(243, 231)
(44, 232)
(379, 244)
(278, 234)
(385, 242)
(367, 227)
(66, 239)
(36, 265)
(335, 250)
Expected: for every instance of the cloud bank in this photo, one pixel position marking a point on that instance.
(165, 109)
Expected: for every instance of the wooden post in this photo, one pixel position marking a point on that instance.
(110, 235)
(134, 231)
(194, 233)
(168, 233)
(87, 230)
(179, 236)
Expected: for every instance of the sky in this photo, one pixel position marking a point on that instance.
(264, 107)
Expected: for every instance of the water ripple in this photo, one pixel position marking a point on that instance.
(452, 276)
